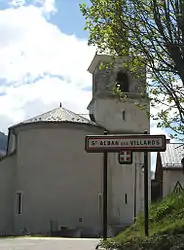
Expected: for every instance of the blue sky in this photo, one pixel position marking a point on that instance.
(70, 21)
(68, 17)
(44, 59)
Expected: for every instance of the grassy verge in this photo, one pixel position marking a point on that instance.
(166, 228)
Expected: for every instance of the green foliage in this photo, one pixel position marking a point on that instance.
(150, 33)
(162, 242)
(166, 228)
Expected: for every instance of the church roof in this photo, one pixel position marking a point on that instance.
(59, 114)
(171, 158)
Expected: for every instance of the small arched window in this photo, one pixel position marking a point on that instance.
(122, 81)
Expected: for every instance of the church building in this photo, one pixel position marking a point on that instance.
(49, 183)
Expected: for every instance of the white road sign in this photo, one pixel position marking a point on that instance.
(114, 143)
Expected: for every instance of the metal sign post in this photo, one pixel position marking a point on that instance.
(134, 143)
(105, 159)
(146, 226)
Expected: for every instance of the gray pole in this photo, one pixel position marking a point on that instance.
(135, 194)
(105, 193)
(146, 227)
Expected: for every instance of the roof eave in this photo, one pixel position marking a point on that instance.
(96, 60)
(13, 127)
(93, 63)
(53, 122)
(173, 168)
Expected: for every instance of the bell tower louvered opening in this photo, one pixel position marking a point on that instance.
(122, 81)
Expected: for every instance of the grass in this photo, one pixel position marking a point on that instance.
(166, 218)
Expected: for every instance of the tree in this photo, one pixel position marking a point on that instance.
(151, 32)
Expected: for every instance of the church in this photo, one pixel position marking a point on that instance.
(49, 183)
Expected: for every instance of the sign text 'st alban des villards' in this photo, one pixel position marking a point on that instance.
(112, 143)
(125, 142)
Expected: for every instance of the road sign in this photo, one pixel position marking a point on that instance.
(178, 188)
(125, 157)
(115, 143)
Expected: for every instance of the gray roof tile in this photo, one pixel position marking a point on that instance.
(60, 114)
(173, 155)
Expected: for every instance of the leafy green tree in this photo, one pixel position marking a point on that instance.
(150, 32)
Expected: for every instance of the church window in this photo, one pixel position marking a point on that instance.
(123, 115)
(19, 202)
(122, 81)
(80, 219)
(126, 199)
(100, 205)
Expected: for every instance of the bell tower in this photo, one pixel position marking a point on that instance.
(105, 108)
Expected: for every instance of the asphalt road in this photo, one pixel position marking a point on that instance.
(48, 244)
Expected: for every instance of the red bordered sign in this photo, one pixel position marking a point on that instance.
(135, 143)
(125, 157)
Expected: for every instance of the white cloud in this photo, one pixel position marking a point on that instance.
(34, 50)
(30, 100)
(48, 6)
(37, 46)
(17, 3)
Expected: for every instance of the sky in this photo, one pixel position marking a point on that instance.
(44, 58)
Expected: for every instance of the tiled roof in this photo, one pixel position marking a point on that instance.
(173, 155)
(59, 114)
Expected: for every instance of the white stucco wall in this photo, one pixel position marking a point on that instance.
(170, 178)
(59, 180)
(7, 174)
(122, 184)
(108, 113)
(127, 180)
